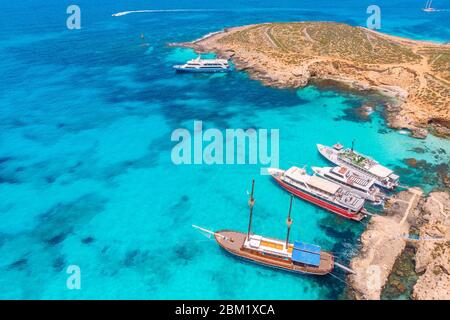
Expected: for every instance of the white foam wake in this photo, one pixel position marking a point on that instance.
(123, 13)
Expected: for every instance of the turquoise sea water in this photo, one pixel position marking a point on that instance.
(86, 176)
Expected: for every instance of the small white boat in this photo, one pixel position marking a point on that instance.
(428, 7)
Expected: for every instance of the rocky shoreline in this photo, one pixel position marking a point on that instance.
(432, 259)
(419, 95)
(414, 220)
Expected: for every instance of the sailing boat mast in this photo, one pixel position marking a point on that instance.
(251, 203)
(289, 222)
(428, 7)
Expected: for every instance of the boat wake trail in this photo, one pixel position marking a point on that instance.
(123, 13)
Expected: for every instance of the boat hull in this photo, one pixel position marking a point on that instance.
(319, 202)
(234, 242)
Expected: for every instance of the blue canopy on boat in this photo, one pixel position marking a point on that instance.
(306, 253)
(306, 247)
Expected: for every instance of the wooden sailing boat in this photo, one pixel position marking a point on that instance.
(296, 257)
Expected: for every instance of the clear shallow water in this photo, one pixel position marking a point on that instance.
(85, 170)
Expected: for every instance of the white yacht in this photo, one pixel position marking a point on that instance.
(383, 176)
(200, 65)
(362, 185)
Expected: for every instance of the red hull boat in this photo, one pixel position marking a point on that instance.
(320, 192)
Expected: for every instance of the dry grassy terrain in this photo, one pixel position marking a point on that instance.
(417, 73)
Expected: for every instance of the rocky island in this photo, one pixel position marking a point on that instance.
(415, 73)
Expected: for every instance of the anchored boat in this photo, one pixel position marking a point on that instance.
(383, 176)
(428, 7)
(200, 65)
(321, 192)
(295, 257)
(362, 185)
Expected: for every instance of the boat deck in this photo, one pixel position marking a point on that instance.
(276, 246)
(363, 182)
(233, 242)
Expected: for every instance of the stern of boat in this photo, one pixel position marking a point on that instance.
(326, 262)
(361, 215)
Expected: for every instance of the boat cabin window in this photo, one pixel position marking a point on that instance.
(273, 256)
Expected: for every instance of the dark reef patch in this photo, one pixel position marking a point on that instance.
(3, 160)
(414, 163)
(338, 228)
(8, 180)
(421, 173)
(59, 264)
(19, 264)
(87, 240)
(182, 204)
(184, 253)
(441, 151)
(356, 114)
(343, 247)
(179, 209)
(418, 150)
(383, 131)
(58, 222)
(53, 241)
(50, 179)
(135, 257)
(401, 281)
